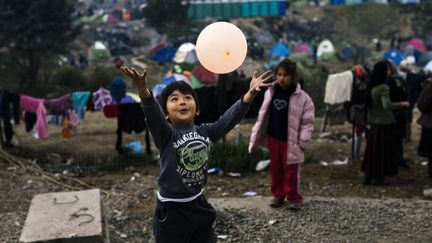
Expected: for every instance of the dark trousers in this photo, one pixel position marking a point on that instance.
(188, 222)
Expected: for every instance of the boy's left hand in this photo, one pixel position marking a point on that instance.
(256, 84)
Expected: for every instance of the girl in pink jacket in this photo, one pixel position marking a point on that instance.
(284, 125)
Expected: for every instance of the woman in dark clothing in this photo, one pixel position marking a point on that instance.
(424, 103)
(380, 159)
(398, 93)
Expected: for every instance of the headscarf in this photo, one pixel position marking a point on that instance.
(379, 76)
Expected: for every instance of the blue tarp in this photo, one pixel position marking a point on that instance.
(395, 55)
(165, 54)
(347, 53)
(338, 2)
(280, 49)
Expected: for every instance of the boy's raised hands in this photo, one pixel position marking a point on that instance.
(256, 84)
(139, 80)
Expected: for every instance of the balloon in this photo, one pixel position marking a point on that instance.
(221, 47)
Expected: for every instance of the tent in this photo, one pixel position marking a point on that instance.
(412, 51)
(175, 77)
(418, 44)
(301, 58)
(186, 54)
(110, 19)
(120, 48)
(428, 67)
(164, 54)
(196, 83)
(395, 55)
(325, 50)
(98, 51)
(347, 53)
(205, 75)
(158, 88)
(304, 48)
(425, 58)
(410, 1)
(280, 50)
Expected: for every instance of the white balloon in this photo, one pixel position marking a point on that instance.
(221, 47)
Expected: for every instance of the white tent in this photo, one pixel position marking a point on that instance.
(409, 60)
(99, 46)
(325, 47)
(186, 53)
(428, 67)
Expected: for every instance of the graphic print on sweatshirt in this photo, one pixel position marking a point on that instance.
(193, 151)
(280, 104)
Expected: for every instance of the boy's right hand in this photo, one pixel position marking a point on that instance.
(139, 80)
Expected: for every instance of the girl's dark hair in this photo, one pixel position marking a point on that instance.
(392, 67)
(182, 87)
(379, 76)
(289, 66)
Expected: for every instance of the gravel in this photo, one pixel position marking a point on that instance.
(327, 220)
(322, 219)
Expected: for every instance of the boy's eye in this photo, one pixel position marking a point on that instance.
(174, 99)
(188, 97)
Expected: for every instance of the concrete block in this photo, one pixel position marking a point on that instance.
(67, 217)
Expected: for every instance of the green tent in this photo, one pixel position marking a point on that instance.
(301, 57)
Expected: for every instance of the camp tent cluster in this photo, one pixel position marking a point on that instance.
(186, 66)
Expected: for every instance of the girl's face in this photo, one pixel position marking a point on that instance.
(283, 78)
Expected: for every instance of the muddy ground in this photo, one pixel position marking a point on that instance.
(132, 191)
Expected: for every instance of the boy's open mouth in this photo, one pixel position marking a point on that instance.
(183, 110)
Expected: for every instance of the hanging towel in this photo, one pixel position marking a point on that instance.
(338, 88)
(30, 104)
(101, 98)
(80, 100)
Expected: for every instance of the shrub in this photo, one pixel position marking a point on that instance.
(66, 79)
(234, 157)
(102, 77)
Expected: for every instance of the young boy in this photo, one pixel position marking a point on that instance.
(182, 212)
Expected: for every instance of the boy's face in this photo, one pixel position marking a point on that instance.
(283, 78)
(181, 108)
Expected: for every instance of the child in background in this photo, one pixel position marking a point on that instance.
(182, 212)
(285, 124)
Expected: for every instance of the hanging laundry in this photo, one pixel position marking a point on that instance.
(73, 119)
(118, 89)
(111, 111)
(131, 119)
(6, 100)
(30, 104)
(339, 88)
(29, 120)
(80, 100)
(101, 98)
(59, 106)
(207, 99)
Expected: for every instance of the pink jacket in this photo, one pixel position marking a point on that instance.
(301, 118)
(30, 104)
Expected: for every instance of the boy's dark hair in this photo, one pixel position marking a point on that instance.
(182, 87)
(289, 66)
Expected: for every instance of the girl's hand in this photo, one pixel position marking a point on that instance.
(256, 84)
(139, 80)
